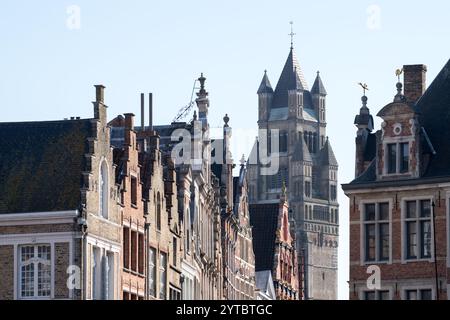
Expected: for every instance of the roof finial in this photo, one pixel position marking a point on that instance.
(365, 87)
(292, 34)
(242, 161)
(399, 97)
(226, 119)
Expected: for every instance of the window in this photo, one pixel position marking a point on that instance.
(397, 157)
(102, 266)
(126, 248)
(103, 190)
(152, 272)
(283, 141)
(174, 251)
(308, 189)
(376, 232)
(35, 271)
(140, 257)
(162, 276)
(377, 295)
(418, 229)
(404, 157)
(333, 192)
(392, 158)
(158, 212)
(418, 294)
(133, 191)
(134, 248)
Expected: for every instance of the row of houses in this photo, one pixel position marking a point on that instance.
(98, 209)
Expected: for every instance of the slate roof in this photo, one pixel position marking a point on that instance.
(291, 78)
(265, 86)
(434, 117)
(41, 165)
(264, 221)
(371, 147)
(318, 87)
(434, 107)
(327, 156)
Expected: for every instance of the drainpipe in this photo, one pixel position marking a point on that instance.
(147, 241)
(82, 222)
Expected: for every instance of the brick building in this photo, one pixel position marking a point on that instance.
(275, 246)
(151, 231)
(60, 223)
(400, 197)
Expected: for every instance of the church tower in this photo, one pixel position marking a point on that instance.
(292, 127)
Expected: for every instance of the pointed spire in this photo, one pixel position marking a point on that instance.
(318, 87)
(364, 119)
(291, 78)
(265, 86)
(327, 156)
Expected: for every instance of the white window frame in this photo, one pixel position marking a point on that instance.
(362, 231)
(105, 246)
(404, 248)
(35, 247)
(18, 240)
(417, 288)
(363, 290)
(397, 141)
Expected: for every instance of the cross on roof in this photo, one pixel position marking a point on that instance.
(292, 34)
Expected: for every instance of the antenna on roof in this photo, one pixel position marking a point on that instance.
(183, 112)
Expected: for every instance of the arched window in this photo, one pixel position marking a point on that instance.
(103, 191)
(158, 211)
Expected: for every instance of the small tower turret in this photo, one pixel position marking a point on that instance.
(265, 95)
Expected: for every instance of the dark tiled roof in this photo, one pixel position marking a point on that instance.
(371, 147)
(41, 165)
(434, 116)
(368, 175)
(434, 107)
(291, 78)
(327, 156)
(264, 220)
(318, 87)
(265, 86)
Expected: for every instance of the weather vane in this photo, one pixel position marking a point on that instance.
(292, 34)
(398, 72)
(364, 86)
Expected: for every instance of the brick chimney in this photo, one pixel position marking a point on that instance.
(129, 127)
(414, 77)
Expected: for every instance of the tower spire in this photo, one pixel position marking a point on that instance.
(292, 34)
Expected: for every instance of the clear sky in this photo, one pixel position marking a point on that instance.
(50, 60)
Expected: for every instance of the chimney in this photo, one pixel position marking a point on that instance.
(414, 78)
(150, 115)
(99, 93)
(142, 112)
(129, 119)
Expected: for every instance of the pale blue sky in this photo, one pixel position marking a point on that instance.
(47, 71)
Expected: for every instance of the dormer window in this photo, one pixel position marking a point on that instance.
(397, 157)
